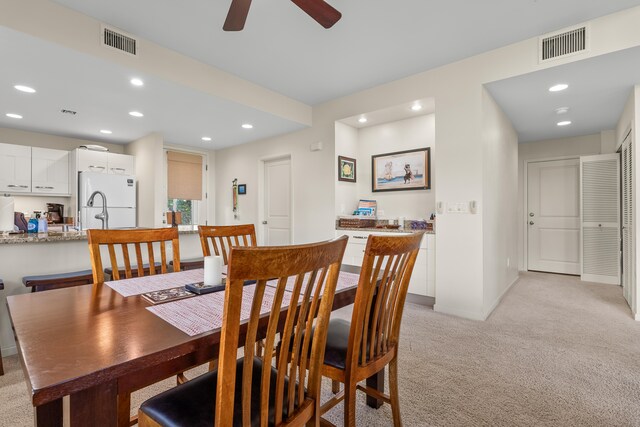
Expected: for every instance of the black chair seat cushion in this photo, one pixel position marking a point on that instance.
(335, 352)
(193, 403)
(62, 277)
(190, 264)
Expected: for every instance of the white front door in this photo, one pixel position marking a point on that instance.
(277, 202)
(553, 216)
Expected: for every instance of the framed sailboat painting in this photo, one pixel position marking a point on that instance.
(402, 170)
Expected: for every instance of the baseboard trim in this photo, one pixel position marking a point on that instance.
(9, 351)
(499, 299)
(472, 315)
(421, 300)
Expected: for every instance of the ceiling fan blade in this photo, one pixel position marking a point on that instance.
(319, 10)
(237, 15)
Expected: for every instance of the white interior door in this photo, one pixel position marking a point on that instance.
(553, 216)
(277, 202)
(628, 264)
(600, 185)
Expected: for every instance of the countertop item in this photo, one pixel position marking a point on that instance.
(384, 230)
(55, 236)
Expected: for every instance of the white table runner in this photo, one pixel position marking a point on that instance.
(157, 282)
(203, 313)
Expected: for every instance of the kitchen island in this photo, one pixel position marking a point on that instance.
(51, 253)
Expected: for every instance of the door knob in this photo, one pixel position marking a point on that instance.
(264, 222)
(530, 222)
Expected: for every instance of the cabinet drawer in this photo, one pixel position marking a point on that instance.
(120, 164)
(50, 171)
(15, 168)
(92, 161)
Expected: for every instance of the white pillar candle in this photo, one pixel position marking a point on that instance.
(212, 270)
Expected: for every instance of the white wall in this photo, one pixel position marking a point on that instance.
(149, 161)
(416, 132)
(347, 192)
(312, 175)
(499, 228)
(458, 92)
(554, 148)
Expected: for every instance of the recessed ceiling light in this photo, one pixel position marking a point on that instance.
(247, 126)
(26, 89)
(136, 114)
(562, 110)
(106, 131)
(558, 87)
(206, 138)
(362, 120)
(564, 123)
(137, 82)
(14, 116)
(416, 107)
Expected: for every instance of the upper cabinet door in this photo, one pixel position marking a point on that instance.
(15, 168)
(92, 161)
(120, 164)
(50, 171)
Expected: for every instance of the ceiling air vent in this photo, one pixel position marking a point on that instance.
(119, 40)
(564, 43)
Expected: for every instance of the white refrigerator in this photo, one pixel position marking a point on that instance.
(121, 199)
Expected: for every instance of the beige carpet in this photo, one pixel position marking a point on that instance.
(556, 351)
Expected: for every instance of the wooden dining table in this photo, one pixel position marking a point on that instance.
(89, 344)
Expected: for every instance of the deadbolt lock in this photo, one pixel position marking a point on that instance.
(531, 214)
(530, 222)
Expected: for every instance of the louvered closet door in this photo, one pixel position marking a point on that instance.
(600, 208)
(628, 264)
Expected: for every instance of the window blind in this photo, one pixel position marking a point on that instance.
(184, 176)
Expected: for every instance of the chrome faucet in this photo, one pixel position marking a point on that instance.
(104, 215)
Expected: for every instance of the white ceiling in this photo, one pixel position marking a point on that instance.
(281, 49)
(375, 42)
(598, 90)
(101, 94)
(391, 114)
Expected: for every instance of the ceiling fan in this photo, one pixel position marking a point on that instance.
(319, 10)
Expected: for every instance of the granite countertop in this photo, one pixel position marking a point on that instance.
(59, 236)
(383, 230)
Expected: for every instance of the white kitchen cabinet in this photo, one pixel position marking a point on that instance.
(423, 276)
(121, 164)
(91, 161)
(104, 162)
(15, 168)
(49, 171)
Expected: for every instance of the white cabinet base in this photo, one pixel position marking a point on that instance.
(423, 277)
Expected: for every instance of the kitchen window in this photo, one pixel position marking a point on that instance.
(184, 188)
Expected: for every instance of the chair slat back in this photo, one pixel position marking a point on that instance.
(223, 237)
(122, 239)
(382, 290)
(306, 274)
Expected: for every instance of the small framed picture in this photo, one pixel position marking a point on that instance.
(346, 169)
(242, 188)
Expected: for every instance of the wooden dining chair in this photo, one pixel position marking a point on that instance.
(121, 241)
(137, 239)
(263, 390)
(223, 237)
(359, 349)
